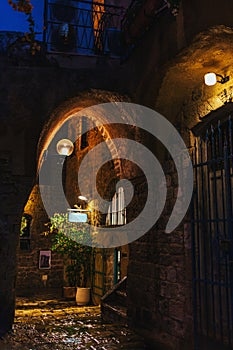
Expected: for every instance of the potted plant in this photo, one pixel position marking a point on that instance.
(70, 241)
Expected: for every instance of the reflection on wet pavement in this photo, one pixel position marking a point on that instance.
(58, 324)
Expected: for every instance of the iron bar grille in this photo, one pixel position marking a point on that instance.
(212, 237)
(83, 27)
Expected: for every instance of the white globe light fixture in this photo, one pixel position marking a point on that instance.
(65, 147)
(210, 79)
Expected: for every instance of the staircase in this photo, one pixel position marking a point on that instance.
(114, 304)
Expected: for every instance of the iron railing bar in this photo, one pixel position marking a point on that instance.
(88, 31)
(213, 146)
(224, 195)
(230, 266)
(231, 136)
(73, 25)
(86, 2)
(222, 184)
(194, 280)
(204, 236)
(197, 250)
(210, 233)
(229, 208)
(218, 165)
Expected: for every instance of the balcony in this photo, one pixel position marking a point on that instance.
(83, 28)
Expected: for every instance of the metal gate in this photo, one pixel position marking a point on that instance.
(212, 237)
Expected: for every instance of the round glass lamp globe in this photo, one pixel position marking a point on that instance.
(210, 79)
(65, 147)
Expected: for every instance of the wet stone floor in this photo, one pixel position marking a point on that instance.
(50, 323)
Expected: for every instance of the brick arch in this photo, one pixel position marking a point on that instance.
(23, 142)
(71, 107)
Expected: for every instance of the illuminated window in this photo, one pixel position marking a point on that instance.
(117, 211)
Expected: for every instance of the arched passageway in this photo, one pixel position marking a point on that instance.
(11, 220)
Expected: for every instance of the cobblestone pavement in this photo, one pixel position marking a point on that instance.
(58, 324)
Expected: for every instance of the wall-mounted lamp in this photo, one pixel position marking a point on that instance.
(83, 198)
(65, 147)
(210, 79)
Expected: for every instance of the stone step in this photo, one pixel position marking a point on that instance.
(114, 313)
(119, 298)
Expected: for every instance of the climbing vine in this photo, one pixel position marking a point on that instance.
(26, 7)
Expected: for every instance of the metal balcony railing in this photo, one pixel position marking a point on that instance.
(83, 27)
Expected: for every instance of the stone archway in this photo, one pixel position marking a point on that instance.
(104, 132)
(17, 184)
(63, 113)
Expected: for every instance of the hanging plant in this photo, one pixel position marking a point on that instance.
(26, 7)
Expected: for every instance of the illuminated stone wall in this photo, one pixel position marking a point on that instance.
(30, 277)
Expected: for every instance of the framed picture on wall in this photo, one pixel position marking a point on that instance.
(45, 259)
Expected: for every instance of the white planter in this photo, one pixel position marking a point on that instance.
(83, 296)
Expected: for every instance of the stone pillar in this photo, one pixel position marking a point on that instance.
(13, 193)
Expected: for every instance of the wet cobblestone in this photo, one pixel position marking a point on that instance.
(58, 324)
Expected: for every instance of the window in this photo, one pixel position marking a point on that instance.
(117, 211)
(25, 232)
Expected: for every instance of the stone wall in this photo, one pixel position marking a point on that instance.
(29, 276)
(160, 278)
(29, 94)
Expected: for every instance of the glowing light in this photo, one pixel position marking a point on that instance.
(65, 147)
(83, 198)
(210, 79)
